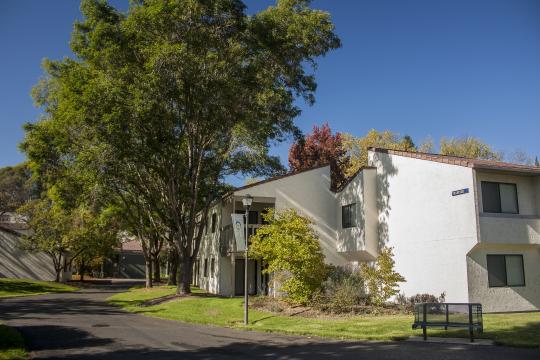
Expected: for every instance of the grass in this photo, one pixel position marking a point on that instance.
(519, 329)
(26, 287)
(11, 344)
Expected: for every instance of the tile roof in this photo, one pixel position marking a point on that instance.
(462, 161)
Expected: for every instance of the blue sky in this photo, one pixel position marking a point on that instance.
(417, 67)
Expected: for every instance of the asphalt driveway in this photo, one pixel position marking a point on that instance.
(82, 325)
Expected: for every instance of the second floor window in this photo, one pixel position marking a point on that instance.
(499, 198)
(348, 216)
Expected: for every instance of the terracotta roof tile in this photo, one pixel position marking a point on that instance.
(461, 161)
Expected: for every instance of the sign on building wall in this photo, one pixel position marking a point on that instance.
(460, 192)
(239, 231)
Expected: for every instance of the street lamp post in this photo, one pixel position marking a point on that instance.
(246, 201)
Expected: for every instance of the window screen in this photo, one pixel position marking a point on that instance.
(505, 270)
(499, 198)
(348, 216)
(514, 270)
(508, 198)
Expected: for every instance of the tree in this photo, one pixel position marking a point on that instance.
(16, 187)
(536, 162)
(357, 147)
(381, 278)
(49, 226)
(318, 148)
(468, 147)
(77, 236)
(166, 100)
(291, 248)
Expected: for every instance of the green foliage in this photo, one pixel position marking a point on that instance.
(357, 147)
(68, 235)
(468, 147)
(11, 344)
(342, 292)
(291, 248)
(381, 279)
(166, 100)
(16, 187)
(27, 287)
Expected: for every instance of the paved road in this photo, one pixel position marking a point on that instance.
(82, 326)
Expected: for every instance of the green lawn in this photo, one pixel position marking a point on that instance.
(520, 329)
(25, 287)
(11, 344)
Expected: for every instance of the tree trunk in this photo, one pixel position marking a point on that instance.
(148, 271)
(81, 271)
(58, 272)
(172, 261)
(184, 278)
(157, 269)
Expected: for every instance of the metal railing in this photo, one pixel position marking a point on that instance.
(465, 315)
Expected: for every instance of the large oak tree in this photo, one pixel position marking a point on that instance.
(166, 100)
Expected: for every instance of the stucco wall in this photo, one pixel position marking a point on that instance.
(359, 243)
(500, 299)
(309, 193)
(510, 229)
(15, 263)
(431, 230)
(526, 189)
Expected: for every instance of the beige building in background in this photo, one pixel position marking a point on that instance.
(468, 228)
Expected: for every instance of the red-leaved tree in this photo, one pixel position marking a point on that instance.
(318, 148)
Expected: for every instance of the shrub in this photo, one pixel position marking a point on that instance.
(342, 292)
(291, 248)
(381, 279)
(410, 302)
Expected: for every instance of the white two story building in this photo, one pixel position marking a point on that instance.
(469, 228)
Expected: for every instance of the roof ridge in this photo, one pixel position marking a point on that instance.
(458, 160)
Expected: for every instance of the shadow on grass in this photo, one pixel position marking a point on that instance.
(527, 335)
(23, 287)
(11, 344)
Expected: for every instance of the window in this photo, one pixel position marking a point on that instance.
(205, 268)
(214, 222)
(212, 266)
(499, 198)
(505, 270)
(348, 216)
(253, 217)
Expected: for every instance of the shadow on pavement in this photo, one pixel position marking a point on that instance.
(83, 345)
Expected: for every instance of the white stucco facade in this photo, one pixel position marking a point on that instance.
(428, 208)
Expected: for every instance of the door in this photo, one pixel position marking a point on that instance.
(239, 277)
(239, 266)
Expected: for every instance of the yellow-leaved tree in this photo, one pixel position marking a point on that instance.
(381, 278)
(357, 147)
(291, 248)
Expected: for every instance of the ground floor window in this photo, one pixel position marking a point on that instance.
(212, 266)
(205, 273)
(505, 270)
